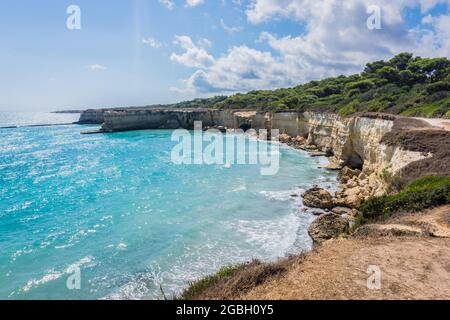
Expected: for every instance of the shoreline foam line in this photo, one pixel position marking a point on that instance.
(39, 125)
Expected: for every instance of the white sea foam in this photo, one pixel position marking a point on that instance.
(122, 246)
(276, 237)
(53, 275)
(241, 187)
(285, 195)
(50, 276)
(19, 206)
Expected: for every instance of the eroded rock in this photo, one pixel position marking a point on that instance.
(347, 174)
(326, 227)
(318, 198)
(342, 211)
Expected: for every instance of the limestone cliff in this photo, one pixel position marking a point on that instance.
(92, 116)
(355, 141)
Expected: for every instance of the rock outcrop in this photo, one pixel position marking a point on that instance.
(92, 117)
(354, 143)
(318, 198)
(326, 227)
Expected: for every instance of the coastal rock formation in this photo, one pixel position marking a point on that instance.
(171, 118)
(343, 211)
(354, 143)
(318, 198)
(92, 117)
(326, 227)
(347, 174)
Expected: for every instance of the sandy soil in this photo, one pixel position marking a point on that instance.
(411, 267)
(439, 123)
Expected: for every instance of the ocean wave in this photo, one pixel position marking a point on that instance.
(284, 195)
(53, 274)
(276, 237)
(137, 285)
(19, 206)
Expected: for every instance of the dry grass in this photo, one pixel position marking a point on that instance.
(239, 280)
(412, 267)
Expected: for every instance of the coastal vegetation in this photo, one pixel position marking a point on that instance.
(405, 85)
(424, 193)
(198, 286)
(236, 280)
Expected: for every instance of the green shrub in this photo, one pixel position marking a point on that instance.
(362, 85)
(198, 286)
(347, 110)
(413, 86)
(438, 86)
(421, 194)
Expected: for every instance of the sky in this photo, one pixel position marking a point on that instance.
(142, 52)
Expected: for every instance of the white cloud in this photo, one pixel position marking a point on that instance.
(205, 43)
(97, 67)
(194, 56)
(168, 3)
(335, 41)
(194, 3)
(152, 42)
(228, 28)
(436, 41)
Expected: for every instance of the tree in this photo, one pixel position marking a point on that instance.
(401, 60)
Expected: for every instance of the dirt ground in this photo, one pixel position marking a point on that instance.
(428, 136)
(412, 267)
(439, 123)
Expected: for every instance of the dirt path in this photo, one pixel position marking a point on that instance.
(439, 123)
(411, 267)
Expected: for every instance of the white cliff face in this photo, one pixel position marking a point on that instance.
(353, 141)
(91, 117)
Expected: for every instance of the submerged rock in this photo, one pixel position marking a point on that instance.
(318, 198)
(326, 227)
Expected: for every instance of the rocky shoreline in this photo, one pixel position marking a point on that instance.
(337, 211)
(359, 183)
(372, 152)
(367, 149)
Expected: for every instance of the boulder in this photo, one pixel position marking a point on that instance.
(347, 174)
(342, 211)
(349, 197)
(299, 140)
(285, 138)
(318, 198)
(326, 227)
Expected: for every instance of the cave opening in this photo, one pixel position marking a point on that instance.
(355, 161)
(245, 127)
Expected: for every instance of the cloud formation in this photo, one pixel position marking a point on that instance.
(169, 4)
(152, 42)
(336, 41)
(194, 55)
(97, 67)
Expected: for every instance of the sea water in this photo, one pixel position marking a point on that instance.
(115, 211)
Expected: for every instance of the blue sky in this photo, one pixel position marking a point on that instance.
(142, 52)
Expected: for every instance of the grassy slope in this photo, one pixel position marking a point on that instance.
(424, 193)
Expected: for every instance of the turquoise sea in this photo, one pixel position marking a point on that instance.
(116, 208)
